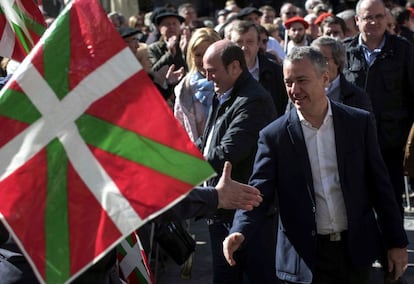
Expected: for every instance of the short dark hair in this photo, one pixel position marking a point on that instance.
(314, 55)
(232, 52)
(401, 15)
(337, 49)
(333, 20)
(242, 27)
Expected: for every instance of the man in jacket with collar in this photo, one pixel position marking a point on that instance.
(339, 89)
(383, 65)
(241, 108)
(246, 35)
(321, 166)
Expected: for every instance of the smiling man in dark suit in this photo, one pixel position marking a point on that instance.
(320, 164)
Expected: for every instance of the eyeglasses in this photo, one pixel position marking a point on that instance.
(369, 19)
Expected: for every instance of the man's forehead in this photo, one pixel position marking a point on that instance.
(371, 5)
(297, 26)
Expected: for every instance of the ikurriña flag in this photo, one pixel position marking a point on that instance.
(133, 263)
(21, 26)
(89, 150)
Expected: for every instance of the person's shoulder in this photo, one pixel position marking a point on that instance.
(351, 88)
(350, 41)
(156, 45)
(268, 61)
(398, 41)
(349, 110)
(279, 123)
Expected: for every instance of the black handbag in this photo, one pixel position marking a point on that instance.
(175, 240)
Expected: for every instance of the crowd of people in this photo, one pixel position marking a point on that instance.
(312, 103)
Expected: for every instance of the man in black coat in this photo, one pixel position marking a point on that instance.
(241, 108)
(268, 72)
(383, 65)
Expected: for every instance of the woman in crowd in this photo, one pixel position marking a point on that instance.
(194, 93)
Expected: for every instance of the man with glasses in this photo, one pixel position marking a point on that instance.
(383, 65)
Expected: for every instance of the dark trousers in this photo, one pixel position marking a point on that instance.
(223, 273)
(393, 159)
(333, 265)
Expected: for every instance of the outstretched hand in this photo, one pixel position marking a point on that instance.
(230, 244)
(236, 195)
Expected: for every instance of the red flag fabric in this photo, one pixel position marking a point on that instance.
(21, 25)
(89, 149)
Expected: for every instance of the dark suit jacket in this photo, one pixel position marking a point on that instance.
(237, 123)
(389, 81)
(271, 78)
(354, 96)
(282, 173)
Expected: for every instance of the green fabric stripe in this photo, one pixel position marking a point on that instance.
(32, 25)
(138, 274)
(121, 250)
(21, 37)
(130, 241)
(141, 150)
(56, 217)
(56, 60)
(16, 105)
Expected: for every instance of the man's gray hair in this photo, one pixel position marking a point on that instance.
(359, 3)
(337, 48)
(315, 57)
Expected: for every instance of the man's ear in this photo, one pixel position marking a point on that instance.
(234, 68)
(325, 77)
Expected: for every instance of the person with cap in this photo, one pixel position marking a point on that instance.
(130, 37)
(296, 27)
(168, 51)
(250, 14)
(154, 35)
(163, 77)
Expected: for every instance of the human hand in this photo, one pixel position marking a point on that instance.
(160, 75)
(397, 261)
(230, 244)
(183, 44)
(236, 195)
(171, 44)
(172, 76)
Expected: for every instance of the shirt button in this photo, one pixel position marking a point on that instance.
(313, 233)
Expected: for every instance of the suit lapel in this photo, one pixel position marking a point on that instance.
(343, 133)
(294, 129)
